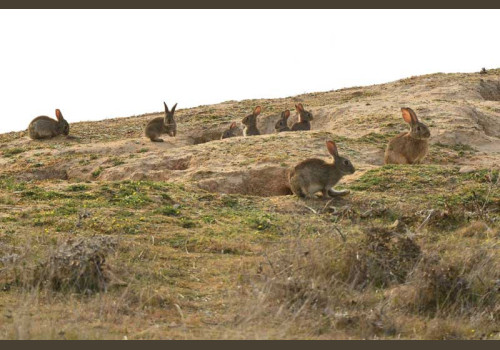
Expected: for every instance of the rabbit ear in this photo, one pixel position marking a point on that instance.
(409, 116)
(256, 111)
(59, 115)
(233, 125)
(166, 108)
(299, 107)
(332, 148)
(287, 113)
(173, 108)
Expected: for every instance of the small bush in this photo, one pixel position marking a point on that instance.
(169, 210)
(97, 172)
(314, 271)
(77, 188)
(76, 265)
(455, 285)
(187, 222)
(261, 222)
(127, 193)
(380, 258)
(439, 285)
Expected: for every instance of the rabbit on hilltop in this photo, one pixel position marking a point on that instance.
(250, 123)
(409, 147)
(231, 132)
(305, 117)
(281, 124)
(162, 125)
(43, 127)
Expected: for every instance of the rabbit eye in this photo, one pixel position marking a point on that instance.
(346, 162)
(418, 128)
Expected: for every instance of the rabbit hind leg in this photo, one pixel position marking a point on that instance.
(333, 193)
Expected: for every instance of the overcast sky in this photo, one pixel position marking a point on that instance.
(97, 64)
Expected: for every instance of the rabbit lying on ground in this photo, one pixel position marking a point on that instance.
(43, 127)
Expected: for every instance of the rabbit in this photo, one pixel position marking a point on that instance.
(281, 124)
(314, 175)
(162, 125)
(43, 127)
(250, 122)
(409, 147)
(231, 132)
(305, 118)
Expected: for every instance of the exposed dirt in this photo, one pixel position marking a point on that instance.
(490, 89)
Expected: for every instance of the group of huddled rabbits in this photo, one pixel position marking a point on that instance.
(306, 178)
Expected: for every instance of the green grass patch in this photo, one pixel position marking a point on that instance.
(77, 188)
(97, 172)
(38, 194)
(11, 184)
(168, 210)
(409, 177)
(10, 152)
(377, 138)
(117, 161)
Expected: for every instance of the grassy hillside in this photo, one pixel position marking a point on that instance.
(107, 235)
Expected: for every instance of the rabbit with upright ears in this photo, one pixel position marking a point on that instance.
(281, 124)
(43, 127)
(305, 117)
(250, 123)
(231, 132)
(314, 175)
(409, 147)
(162, 125)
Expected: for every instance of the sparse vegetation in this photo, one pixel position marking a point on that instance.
(97, 172)
(10, 152)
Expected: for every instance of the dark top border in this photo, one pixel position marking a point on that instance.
(254, 4)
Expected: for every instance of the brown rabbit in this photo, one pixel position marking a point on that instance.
(314, 175)
(409, 147)
(231, 132)
(162, 125)
(250, 122)
(43, 127)
(281, 124)
(305, 118)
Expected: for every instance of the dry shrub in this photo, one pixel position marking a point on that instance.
(477, 229)
(13, 265)
(438, 285)
(78, 265)
(461, 281)
(445, 329)
(369, 284)
(382, 257)
(319, 272)
(327, 285)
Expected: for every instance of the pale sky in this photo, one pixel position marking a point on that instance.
(97, 64)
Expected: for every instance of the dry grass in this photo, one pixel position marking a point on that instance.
(377, 284)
